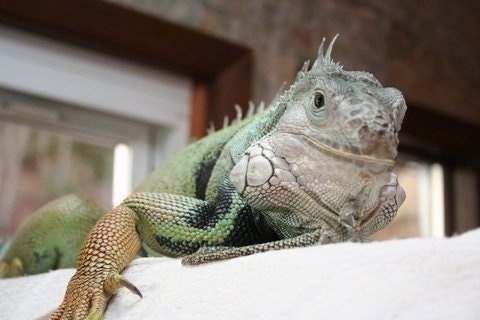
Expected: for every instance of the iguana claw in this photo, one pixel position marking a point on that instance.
(115, 281)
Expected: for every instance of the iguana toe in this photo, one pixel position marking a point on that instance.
(10, 269)
(85, 299)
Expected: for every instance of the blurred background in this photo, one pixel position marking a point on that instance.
(95, 94)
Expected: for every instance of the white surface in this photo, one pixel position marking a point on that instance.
(405, 279)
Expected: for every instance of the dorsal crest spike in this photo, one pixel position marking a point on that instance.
(325, 59)
(239, 116)
(211, 128)
(261, 107)
(251, 109)
(328, 55)
(319, 60)
(305, 66)
(320, 49)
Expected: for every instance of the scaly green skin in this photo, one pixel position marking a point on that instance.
(51, 238)
(315, 167)
(172, 219)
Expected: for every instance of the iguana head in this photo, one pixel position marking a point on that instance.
(345, 112)
(326, 160)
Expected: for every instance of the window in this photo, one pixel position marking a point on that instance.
(76, 121)
(39, 165)
(422, 213)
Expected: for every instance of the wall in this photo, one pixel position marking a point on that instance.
(427, 49)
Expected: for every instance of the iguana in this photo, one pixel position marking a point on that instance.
(313, 168)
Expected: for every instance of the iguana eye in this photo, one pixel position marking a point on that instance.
(319, 101)
(317, 108)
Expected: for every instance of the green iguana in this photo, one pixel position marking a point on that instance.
(315, 167)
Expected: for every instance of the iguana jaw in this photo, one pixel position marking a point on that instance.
(317, 144)
(348, 156)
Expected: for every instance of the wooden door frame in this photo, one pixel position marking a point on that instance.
(221, 71)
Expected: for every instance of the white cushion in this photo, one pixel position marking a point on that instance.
(401, 279)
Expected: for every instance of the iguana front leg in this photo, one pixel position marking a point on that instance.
(174, 225)
(209, 254)
(390, 199)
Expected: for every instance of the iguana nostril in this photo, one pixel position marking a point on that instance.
(355, 122)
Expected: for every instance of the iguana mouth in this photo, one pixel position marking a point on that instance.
(345, 155)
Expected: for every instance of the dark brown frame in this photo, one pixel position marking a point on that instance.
(221, 70)
(222, 73)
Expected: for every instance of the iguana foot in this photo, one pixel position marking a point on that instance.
(85, 299)
(390, 198)
(10, 269)
(392, 191)
(87, 296)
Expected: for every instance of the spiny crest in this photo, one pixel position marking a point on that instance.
(252, 110)
(324, 62)
(324, 65)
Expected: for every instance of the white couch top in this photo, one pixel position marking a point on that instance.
(401, 279)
